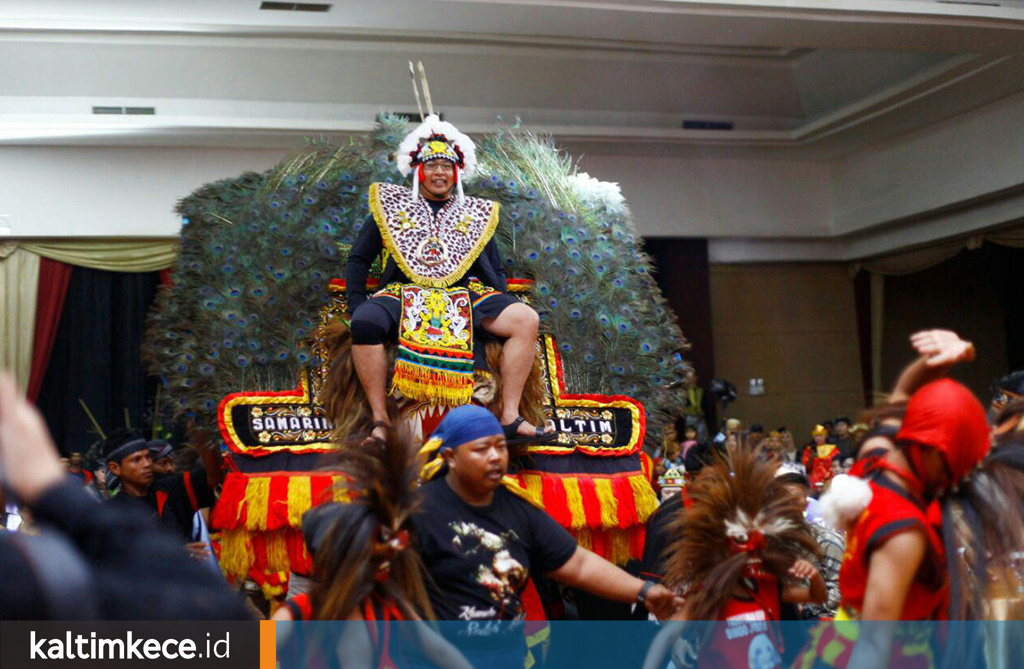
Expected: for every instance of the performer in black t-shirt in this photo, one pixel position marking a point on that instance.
(480, 542)
(173, 499)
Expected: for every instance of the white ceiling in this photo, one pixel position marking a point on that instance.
(825, 76)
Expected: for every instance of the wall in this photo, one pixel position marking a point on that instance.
(110, 191)
(694, 197)
(131, 191)
(971, 156)
(950, 179)
(969, 294)
(795, 326)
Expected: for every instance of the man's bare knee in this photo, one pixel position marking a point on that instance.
(520, 320)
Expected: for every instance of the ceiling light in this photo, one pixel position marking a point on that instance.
(296, 6)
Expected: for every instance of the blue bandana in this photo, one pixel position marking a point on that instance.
(464, 424)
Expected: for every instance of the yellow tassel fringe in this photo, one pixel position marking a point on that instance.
(575, 502)
(609, 505)
(236, 556)
(257, 497)
(432, 385)
(300, 499)
(644, 497)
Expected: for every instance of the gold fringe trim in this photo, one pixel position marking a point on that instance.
(644, 497)
(257, 498)
(432, 385)
(534, 488)
(620, 547)
(300, 499)
(609, 504)
(377, 209)
(584, 538)
(277, 553)
(575, 502)
(532, 496)
(236, 556)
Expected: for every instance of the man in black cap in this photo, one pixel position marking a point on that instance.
(173, 499)
(163, 458)
(842, 439)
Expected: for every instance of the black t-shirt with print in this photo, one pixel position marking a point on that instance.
(478, 558)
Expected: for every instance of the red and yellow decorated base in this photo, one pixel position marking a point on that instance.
(259, 517)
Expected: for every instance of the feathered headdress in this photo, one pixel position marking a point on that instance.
(435, 139)
(742, 519)
(362, 546)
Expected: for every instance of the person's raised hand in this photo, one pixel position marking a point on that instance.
(28, 459)
(198, 550)
(803, 569)
(942, 348)
(662, 602)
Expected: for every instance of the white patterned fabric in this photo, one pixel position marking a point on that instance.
(432, 250)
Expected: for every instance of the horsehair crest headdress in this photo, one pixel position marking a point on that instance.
(434, 139)
(742, 522)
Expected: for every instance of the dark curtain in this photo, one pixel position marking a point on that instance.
(682, 273)
(96, 357)
(53, 288)
(1010, 285)
(978, 294)
(862, 299)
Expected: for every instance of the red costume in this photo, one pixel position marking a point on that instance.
(748, 634)
(946, 417)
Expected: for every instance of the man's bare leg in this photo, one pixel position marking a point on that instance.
(518, 323)
(371, 361)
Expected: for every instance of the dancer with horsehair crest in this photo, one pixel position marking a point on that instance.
(739, 553)
(365, 570)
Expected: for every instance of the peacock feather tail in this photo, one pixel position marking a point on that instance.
(257, 253)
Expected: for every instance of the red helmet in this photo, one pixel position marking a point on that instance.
(946, 416)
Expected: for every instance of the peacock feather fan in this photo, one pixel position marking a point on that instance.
(257, 253)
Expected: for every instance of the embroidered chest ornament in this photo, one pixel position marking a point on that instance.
(433, 250)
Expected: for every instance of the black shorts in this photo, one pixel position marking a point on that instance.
(384, 310)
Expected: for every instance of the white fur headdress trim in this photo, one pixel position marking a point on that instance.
(846, 498)
(433, 125)
(740, 527)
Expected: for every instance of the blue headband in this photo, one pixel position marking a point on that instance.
(464, 424)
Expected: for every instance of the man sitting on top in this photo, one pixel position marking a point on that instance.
(442, 276)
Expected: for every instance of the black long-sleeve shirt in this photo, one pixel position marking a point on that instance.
(137, 569)
(488, 266)
(173, 500)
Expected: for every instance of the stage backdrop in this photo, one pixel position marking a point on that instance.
(96, 356)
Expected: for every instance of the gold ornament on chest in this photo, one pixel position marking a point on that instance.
(404, 221)
(432, 251)
(463, 225)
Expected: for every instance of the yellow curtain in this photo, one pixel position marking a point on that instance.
(19, 283)
(143, 255)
